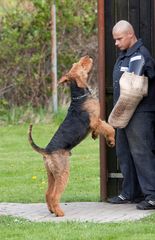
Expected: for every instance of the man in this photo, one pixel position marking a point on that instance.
(135, 144)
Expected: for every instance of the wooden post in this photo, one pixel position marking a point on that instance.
(54, 58)
(101, 83)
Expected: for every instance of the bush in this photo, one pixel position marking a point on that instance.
(25, 46)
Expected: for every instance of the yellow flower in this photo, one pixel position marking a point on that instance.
(34, 177)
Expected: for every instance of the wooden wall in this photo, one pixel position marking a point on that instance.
(140, 13)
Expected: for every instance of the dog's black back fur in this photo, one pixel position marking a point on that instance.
(75, 126)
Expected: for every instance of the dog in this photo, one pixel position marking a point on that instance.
(83, 117)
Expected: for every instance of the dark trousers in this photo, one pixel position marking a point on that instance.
(135, 149)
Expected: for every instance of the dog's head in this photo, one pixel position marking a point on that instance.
(79, 72)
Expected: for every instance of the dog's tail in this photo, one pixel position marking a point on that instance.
(34, 146)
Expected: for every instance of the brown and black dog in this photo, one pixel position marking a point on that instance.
(83, 117)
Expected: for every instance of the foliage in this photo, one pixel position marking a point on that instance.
(19, 115)
(27, 114)
(25, 46)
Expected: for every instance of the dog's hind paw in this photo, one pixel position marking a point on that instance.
(59, 213)
(51, 211)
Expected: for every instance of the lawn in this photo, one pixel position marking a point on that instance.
(23, 179)
(23, 176)
(19, 229)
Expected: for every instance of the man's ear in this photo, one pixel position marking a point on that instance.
(63, 79)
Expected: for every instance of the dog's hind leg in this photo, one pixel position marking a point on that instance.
(57, 165)
(60, 184)
(51, 183)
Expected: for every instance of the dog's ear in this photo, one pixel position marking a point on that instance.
(63, 79)
(86, 62)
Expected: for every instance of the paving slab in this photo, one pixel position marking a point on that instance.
(97, 212)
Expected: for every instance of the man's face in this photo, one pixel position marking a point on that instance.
(122, 39)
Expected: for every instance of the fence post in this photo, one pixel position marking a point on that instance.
(54, 58)
(101, 83)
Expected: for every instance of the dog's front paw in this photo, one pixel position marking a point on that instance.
(94, 135)
(110, 142)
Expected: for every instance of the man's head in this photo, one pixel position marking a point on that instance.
(124, 35)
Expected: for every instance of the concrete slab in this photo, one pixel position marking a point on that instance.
(97, 212)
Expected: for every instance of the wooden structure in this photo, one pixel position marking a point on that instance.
(140, 13)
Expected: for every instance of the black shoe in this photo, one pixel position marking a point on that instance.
(119, 200)
(146, 205)
(138, 199)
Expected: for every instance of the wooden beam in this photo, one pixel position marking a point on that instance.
(54, 59)
(101, 84)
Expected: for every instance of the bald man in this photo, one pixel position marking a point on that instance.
(135, 144)
(123, 34)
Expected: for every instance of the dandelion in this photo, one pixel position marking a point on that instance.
(34, 177)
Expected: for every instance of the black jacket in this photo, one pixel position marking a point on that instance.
(122, 63)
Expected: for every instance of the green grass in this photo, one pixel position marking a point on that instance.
(17, 229)
(23, 176)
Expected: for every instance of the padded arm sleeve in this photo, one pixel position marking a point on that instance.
(133, 87)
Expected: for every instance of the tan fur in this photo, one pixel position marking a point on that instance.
(79, 72)
(98, 126)
(57, 166)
